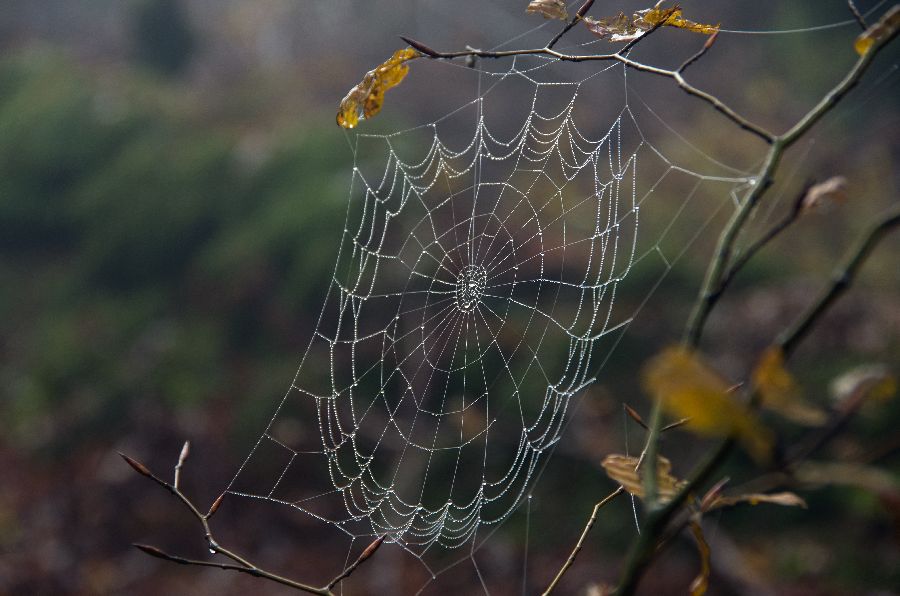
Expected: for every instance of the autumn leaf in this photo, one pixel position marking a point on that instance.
(781, 393)
(701, 582)
(785, 499)
(688, 388)
(864, 383)
(833, 190)
(624, 470)
(366, 98)
(549, 9)
(622, 27)
(886, 27)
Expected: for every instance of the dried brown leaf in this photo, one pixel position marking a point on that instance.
(622, 27)
(688, 388)
(886, 26)
(781, 393)
(786, 499)
(833, 190)
(624, 470)
(366, 98)
(549, 9)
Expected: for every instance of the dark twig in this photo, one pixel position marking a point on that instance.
(240, 564)
(857, 15)
(578, 16)
(748, 253)
(619, 56)
(580, 544)
(841, 280)
(706, 46)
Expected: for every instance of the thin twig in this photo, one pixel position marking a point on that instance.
(578, 16)
(619, 56)
(241, 565)
(841, 280)
(580, 544)
(748, 253)
(706, 46)
(857, 15)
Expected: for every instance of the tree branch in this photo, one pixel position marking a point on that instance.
(619, 56)
(710, 293)
(241, 564)
(841, 280)
(580, 544)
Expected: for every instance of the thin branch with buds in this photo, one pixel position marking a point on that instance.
(239, 563)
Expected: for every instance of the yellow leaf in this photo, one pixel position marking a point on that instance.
(670, 17)
(786, 499)
(624, 470)
(781, 393)
(686, 387)
(622, 27)
(701, 582)
(365, 99)
(886, 27)
(549, 9)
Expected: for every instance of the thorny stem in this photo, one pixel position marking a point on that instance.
(242, 564)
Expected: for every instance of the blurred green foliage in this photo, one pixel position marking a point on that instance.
(143, 259)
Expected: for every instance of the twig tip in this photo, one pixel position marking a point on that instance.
(215, 506)
(136, 465)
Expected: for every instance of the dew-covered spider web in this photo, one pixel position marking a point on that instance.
(473, 297)
(479, 289)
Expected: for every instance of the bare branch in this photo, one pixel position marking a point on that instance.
(619, 56)
(857, 15)
(706, 46)
(367, 552)
(841, 280)
(580, 544)
(578, 16)
(241, 564)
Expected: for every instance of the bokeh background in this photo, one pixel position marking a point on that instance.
(172, 186)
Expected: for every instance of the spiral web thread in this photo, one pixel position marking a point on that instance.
(472, 288)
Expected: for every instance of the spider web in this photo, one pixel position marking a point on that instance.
(475, 282)
(474, 299)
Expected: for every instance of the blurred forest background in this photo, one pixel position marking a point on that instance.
(172, 186)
